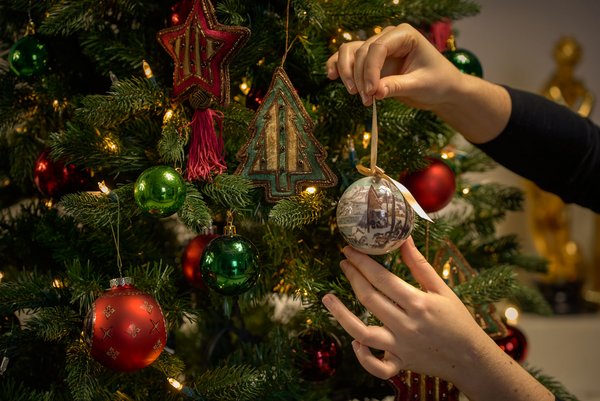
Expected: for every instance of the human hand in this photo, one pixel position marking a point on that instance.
(425, 330)
(399, 62)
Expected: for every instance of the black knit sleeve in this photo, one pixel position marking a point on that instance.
(552, 146)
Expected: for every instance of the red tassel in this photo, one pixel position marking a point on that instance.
(440, 32)
(206, 150)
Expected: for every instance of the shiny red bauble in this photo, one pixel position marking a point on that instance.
(319, 355)
(514, 344)
(55, 178)
(125, 328)
(190, 261)
(180, 11)
(433, 187)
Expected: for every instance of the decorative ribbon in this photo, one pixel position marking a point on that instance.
(206, 146)
(378, 172)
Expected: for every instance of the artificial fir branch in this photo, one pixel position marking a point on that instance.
(530, 300)
(233, 383)
(83, 373)
(551, 384)
(55, 324)
(12, 390)
(175, 133)
(229, 191)
(126, 99)
(298, 210)
(195, 213)
(30, 292)
(488, 286)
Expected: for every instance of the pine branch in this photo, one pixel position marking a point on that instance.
(13, 390)
(531, 300)
(195, 213)
(69, 16)
(30, 292)
(551, 384)
(298, 210)
(489, 286)
(100, 211)
(85, 283)
(126, 99)
(229, 191)
(82, 374)
(175, 134)
(233, 383)
(57, 323)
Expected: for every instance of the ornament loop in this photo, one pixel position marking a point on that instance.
(121, 282)
(229, 229)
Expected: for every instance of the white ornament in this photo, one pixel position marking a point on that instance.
(373, 216)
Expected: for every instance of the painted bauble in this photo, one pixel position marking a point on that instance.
(373, 216)
(125, 327)
(433, 187)
(319, 355)
(28, 56)
(190, 261)
(160, 191)
(230, 265)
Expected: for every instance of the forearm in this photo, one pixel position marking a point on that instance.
(479, 110)
(492, 375)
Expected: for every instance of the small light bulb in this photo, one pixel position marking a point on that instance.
(366, 139)
(57, 283)
(147, 69)
(512, 315)
(105, 190)
(168, 115)
(176, 385)
(310, 190)
(347, 35)
(1, 276)
(466, 191)
(377, 30)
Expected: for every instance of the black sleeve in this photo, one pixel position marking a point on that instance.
(552, 146)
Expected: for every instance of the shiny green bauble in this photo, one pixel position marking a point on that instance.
(465, 61)
(159, 191)
(229, 265)
(28, 56)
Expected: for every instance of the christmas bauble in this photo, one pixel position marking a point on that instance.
(55, 178)
(27, 56)
(433, 187)
(373, 216)
(160, 191)
(514, 344)
(319, 355)
(410, 386)
(229, 265)
(125, 328)
(180, 11)
(190, 261)
(465, 61)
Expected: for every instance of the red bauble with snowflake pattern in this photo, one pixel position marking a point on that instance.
(125, 328)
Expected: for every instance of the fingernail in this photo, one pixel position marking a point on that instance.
(386, 91)
(368, 88)
(327, 301)
(355, 345)
(363, 97)
(351, 87)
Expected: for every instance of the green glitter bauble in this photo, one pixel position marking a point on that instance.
(28, 56)
(159, 191)
(229, 265)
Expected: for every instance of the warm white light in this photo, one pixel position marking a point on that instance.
(347, 35)
(377, 30)
(147, 69)
(366, 139)
(512, 315)
(466, 191)
(310, 190)
(105, 190)
(178, 386)
(1, 276)
(57, 283)
(168, 115)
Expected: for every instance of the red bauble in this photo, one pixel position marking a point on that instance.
(180, 11)
(190, 261)
(319, 356)
(514, 344)
(409, 386)
(54, 178)
(125, 328)
(433, 187)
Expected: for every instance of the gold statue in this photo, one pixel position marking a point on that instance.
(549, 217)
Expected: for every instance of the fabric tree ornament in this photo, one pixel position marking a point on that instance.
(202, 49)
(282, 154)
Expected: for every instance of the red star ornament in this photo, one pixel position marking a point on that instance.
(202, 49)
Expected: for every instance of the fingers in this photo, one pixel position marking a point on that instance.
(379, 277)
(383, 368)
(421, 270)
(372, 336)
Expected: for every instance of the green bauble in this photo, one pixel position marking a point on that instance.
(159, 191)
(28, 56)
(465, 61)
(229, 265)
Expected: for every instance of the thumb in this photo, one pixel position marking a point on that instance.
(400, 86)
(421, 270)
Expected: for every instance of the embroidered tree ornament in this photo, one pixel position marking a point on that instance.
(282, 154)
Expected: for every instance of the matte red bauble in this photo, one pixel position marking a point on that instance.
(514, 344)
(190, 261)
(433, 187)
(54, 178)
(319, 356)
(410, 386)
(125, 328)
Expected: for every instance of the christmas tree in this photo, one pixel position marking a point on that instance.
(193, 155)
